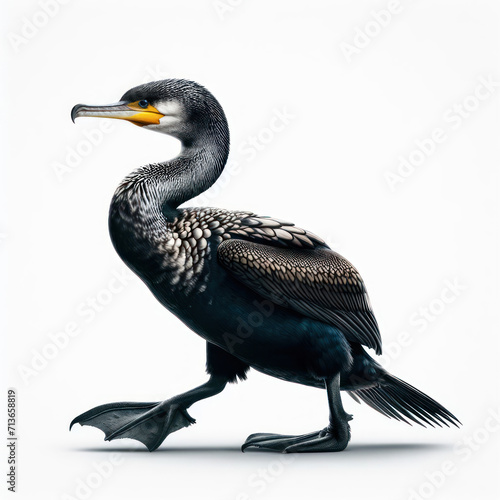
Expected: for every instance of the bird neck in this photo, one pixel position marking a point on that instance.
(198, 166)
(146, 202)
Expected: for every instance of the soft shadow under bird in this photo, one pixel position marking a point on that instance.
(262, 292)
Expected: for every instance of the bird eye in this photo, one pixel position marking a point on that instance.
(143, 104)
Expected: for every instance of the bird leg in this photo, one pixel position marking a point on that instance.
(149, 423)
(332, 438)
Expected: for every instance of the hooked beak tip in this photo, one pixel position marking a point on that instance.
(74, 112)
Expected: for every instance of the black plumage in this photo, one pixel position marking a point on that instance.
(262, 292)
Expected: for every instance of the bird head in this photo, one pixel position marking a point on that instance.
(180, 108)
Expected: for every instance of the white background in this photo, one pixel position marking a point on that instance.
(326, 171)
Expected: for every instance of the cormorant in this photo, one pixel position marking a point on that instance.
(262, 292)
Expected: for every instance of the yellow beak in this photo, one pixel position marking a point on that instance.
(131, 112)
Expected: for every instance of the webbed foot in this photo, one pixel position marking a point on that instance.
(149, 423)
(328, 439)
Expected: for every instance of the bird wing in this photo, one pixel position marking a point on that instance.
(274, 232)
(314, 281)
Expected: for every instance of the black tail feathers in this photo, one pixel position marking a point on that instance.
(394, 398)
